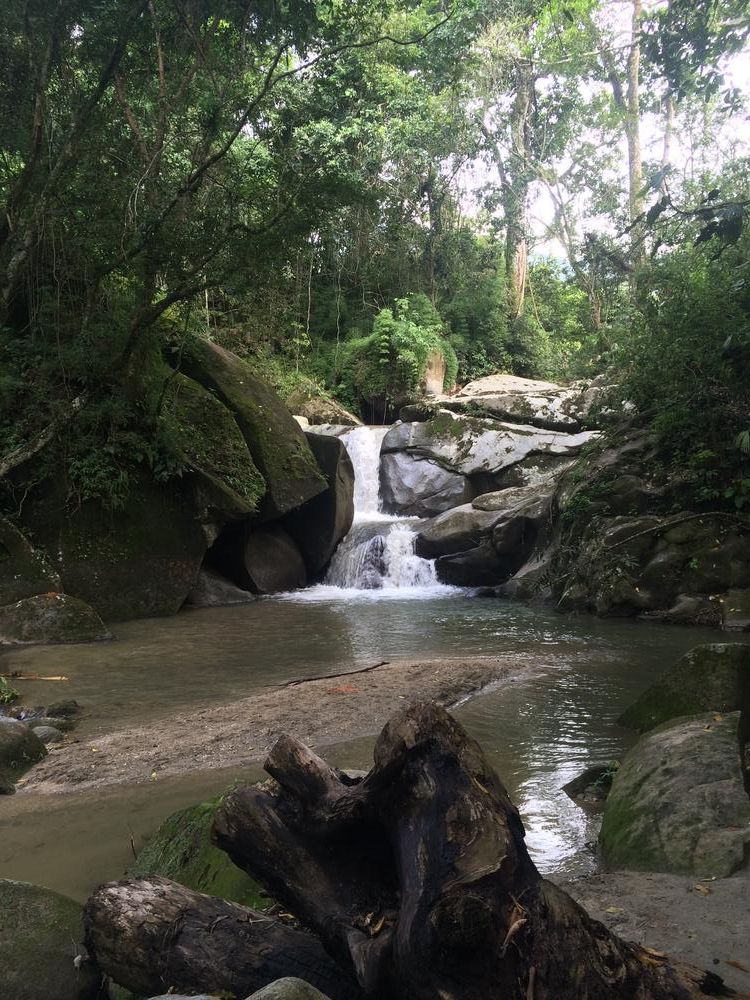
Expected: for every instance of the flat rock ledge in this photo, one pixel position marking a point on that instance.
(320, 712)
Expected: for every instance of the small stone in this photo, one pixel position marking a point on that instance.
(47, 734)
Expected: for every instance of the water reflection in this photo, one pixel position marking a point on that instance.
(539, 731)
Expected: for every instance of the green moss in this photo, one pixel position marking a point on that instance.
(40, 932)
(181, 849)
(203, 432)
(276, 443)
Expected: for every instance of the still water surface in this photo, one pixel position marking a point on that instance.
(539, 731)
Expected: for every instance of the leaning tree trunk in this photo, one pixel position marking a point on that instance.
(416, 880)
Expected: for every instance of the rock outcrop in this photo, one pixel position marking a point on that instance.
(712, 677)
(276, 442)
(40, 932)
(678, 801)
(485, 542)
(19, 745)
(419, 487)
(24, 571)
(212, 590)
(50, 618)
(522, 400)
(242, 460)
(308, 402)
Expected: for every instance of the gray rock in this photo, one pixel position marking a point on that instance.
(19, 745)
(472, 446)
(308, 402)
(212, 590)
(50, 618)
(454, 531)
(47, 734)
(542, 404)
(288, 989)
(678, 803)
(39, 935)
(272, 563)
(319, 525)
(712, 677)
(418, 487)
(479, 567)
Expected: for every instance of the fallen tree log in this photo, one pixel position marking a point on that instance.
(416, 879)
(153, 935)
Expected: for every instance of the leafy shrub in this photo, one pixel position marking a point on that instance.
(390, 363)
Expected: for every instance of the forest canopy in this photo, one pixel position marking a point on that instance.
(334, 190)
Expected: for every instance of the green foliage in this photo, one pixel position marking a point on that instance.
(8, 694)
(390, 363)
(685, 366)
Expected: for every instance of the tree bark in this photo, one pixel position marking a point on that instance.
(415, 879)
(152, 935)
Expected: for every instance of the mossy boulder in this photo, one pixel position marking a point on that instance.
(306, 400)
(181, 849)
(206, 438)
(140, 560)
(678, 802)
(19, 746)
(288, 989)
(50, 618)
(24, 571)
(39, 935)
(276, 442)
(711, 677)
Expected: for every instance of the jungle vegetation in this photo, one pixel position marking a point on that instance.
(335, 188)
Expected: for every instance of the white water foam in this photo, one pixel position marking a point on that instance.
(377, 559)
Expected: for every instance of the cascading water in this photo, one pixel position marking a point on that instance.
(377, 556)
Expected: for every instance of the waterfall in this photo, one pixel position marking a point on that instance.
(377, 557)
(363, 445)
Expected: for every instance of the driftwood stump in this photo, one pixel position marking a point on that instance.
(415, 879)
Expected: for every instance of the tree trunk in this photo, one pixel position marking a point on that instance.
(152, 935)
(633, 116)
(416, 879)
(516, 191)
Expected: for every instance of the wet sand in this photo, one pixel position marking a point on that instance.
(320, 712)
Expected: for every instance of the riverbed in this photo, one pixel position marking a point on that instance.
(539, 729)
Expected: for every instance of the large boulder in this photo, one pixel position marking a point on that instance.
(51, 618)
(288, 989)
(19, 745)
(474, 447)
(269, 561)
(456, 530)
(672, 568)
(319, 525)
(181, 850)
(24, 570)
(478, 567)
(528, 401)
(206, 438)
(713, 677)
(419, 487)
(678, 802)
(308, 402)
(40, 934)
(276, 442)
(139, 561)
(486, 542)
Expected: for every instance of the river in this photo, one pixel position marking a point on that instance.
(539, 731)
